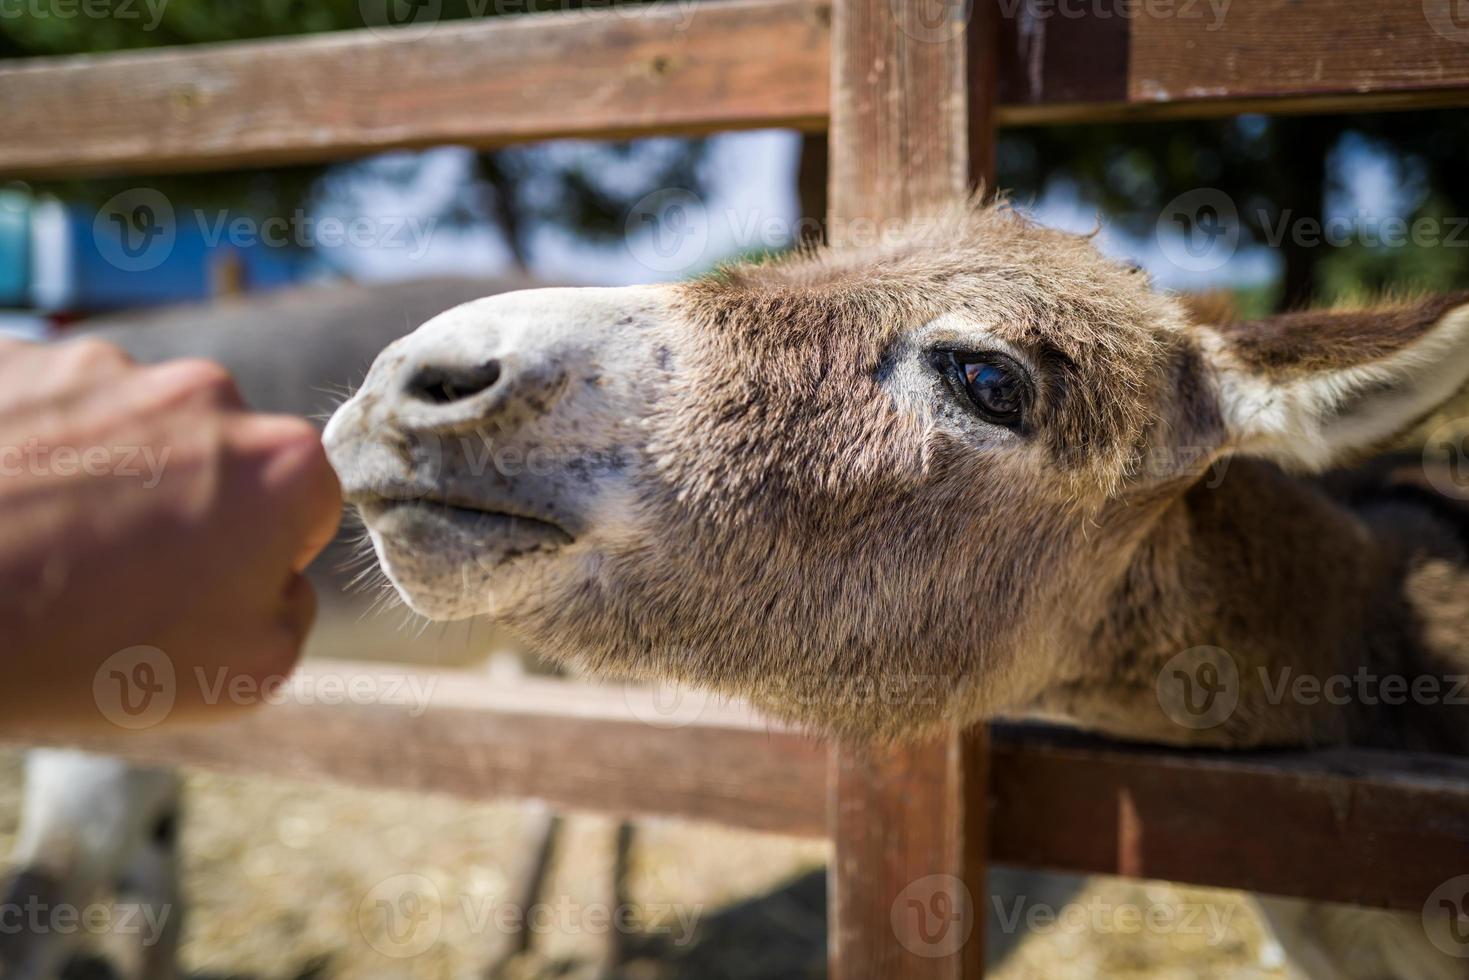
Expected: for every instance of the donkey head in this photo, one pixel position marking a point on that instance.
(871, 488)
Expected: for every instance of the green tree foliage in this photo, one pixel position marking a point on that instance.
(1281, 173)
(85, 26)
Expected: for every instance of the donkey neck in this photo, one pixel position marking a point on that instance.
(1317, 616)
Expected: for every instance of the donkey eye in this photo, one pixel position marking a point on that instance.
(997, 387)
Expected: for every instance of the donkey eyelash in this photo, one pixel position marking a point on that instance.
(995, 386)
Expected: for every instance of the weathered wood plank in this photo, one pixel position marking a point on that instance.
(1277, 48)
(1370, 828)
(607, 749)
(907, 878)
(899, 114)
(1064, 61)
(722, 64)
(669, 68)
(911, 126)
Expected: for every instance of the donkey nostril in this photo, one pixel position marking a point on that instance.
(442, 385)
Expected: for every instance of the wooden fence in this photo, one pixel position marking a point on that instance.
(910, 92)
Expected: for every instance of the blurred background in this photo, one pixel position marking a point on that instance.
(296, 277)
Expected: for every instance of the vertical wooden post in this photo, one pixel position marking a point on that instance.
(907, 879)
(911, 125)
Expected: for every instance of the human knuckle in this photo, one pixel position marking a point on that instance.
(297, 443)
(93, 353)
(198, 377)
(290, 434)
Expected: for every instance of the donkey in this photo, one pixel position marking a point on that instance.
(977, 465)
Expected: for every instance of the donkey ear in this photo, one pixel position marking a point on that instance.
(1311, 390)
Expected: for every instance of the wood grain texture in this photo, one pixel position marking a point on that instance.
(1282, 48)
(606, 749)
(911, 127)
(1369, 828)
(907, 878)
(1051, 60)
(724, 64)
(899, 112)
(603, 73)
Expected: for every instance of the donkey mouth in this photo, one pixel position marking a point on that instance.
(427, 523)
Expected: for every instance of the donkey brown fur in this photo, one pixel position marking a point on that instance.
(812, 522)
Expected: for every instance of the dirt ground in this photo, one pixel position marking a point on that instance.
(284, 882)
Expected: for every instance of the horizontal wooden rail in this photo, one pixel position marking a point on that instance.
(1371, 828)
(698, 68)
(606, 749)
(670, 68)
(1079, 60)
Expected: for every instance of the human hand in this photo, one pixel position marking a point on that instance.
(145, 506)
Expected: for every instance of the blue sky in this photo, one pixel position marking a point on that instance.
(748, 204)
(749, 180)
